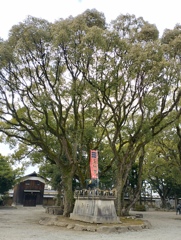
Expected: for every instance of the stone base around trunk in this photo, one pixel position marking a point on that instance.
(95, 210)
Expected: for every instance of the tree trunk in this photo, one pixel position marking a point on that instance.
(67, 177)
(118, 202)
(164, 202)
(59, 201)
(137, 192)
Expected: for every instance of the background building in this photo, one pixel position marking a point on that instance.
(29, 190)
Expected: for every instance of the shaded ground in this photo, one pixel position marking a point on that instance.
(23, 224)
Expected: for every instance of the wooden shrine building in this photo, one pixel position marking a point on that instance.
(29, 191)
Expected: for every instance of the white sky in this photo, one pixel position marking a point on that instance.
(163, 13)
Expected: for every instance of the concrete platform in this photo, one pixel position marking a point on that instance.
(95, 210)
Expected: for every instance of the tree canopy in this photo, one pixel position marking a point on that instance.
(80, 84)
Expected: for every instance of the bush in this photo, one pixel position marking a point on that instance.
(6, 199)
(1, 200)
(140, 207)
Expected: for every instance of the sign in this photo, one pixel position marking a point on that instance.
(94, 164)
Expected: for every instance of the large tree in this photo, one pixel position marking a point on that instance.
(45, 102)
(138, 89)
(76, 85)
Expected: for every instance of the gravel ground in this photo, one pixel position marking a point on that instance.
(23, 224)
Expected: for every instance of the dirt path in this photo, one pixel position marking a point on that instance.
(23, 224)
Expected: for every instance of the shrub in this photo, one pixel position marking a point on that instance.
(140, 207)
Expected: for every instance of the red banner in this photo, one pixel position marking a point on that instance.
(94, 163)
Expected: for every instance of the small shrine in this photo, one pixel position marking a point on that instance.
(93, 204)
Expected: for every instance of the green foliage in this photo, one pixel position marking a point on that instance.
(7, 175)
(162, 168)
(94, 18)
(51, 172)
(139, 207)
(149, 32)
(170, 35)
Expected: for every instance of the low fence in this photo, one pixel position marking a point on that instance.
(99, 193)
